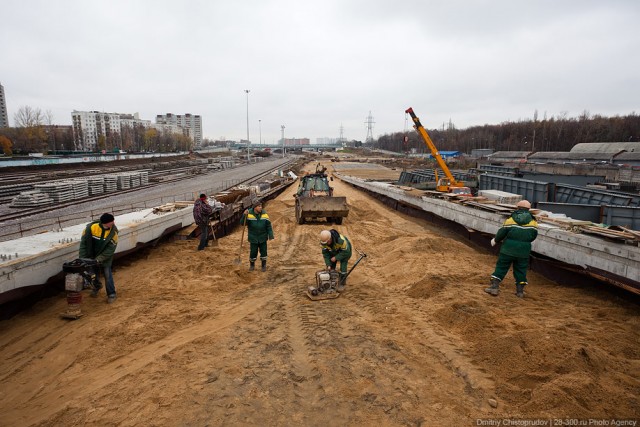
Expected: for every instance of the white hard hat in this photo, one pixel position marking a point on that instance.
(524, 204)
(325, 236)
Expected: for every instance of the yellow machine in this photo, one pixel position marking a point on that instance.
(448, 184)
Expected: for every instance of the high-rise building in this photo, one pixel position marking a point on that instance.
(4, 118)
(88, 126)
(189, 122)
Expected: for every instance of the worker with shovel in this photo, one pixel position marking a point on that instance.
(336, 247)
(259, 230)
(201, 213)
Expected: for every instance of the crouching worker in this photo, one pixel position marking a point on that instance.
(517, 233)
(336, 247)
(259, 230)
(99, 242)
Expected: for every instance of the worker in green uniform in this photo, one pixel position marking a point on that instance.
(99, 241)
(336, 247)
(259, 231)
(516, 235)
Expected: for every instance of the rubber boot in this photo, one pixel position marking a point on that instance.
(264, 265)
(342, 283)
(252, 265)
(520, 289)
(494, 288)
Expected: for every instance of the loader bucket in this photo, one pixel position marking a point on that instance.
(332, 208)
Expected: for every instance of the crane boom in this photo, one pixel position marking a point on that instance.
(442, 185)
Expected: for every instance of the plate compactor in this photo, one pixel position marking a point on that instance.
(81, 273)
(329, 283)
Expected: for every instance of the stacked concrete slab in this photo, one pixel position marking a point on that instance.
(59, 191)
(110, 183)
(500, 196)
(124, 181)
(28, 199)
(96, 185)
(80, 188)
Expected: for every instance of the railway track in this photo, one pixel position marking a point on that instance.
(169, 176)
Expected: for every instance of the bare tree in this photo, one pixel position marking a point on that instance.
(51, 133)
(27, 117)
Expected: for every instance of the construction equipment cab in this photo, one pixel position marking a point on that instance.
(448, 184)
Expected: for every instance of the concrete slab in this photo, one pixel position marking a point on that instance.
(33, 260)
(589, 253)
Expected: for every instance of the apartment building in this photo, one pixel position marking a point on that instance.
(4, 118)
(88, 126)
(190, 123)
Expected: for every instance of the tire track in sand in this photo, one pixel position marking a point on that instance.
(446, 348)
(56, 398)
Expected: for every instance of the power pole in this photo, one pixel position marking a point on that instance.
(282, 128)
(248, 158)
(369, 122)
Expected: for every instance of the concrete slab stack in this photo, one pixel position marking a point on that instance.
(28, 199)
(124, 181)
(110, 183)
(59, 191)
(96, 185)
(80, 188)
(144, 177)
(135, 179)
(500, 196)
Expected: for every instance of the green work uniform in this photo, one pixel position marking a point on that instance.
(516, 235)
(340, 248)
(259, 230)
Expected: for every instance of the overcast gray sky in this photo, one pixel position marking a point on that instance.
(316, 65)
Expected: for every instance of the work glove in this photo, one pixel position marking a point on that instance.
(493, 242)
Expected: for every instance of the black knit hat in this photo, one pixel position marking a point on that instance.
(106, 218)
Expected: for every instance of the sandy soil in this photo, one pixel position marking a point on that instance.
(194, 339)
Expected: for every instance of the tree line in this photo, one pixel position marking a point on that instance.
(34, 132)
(559, 133)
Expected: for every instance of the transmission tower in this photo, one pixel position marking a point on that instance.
(369, 122)
(341, 140)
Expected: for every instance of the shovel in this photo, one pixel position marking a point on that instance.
(237, 260)
(213, 233)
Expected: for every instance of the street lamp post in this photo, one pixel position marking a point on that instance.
(260, 129)
(282, 127)
(248, 143)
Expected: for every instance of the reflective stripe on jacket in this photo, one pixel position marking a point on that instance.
(517, 233)
(99, 243)
(259, 228)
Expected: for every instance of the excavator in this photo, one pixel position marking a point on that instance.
(448, 184)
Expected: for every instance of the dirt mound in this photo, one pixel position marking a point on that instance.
(194, 339)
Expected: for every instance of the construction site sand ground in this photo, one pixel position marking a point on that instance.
(195, 340)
